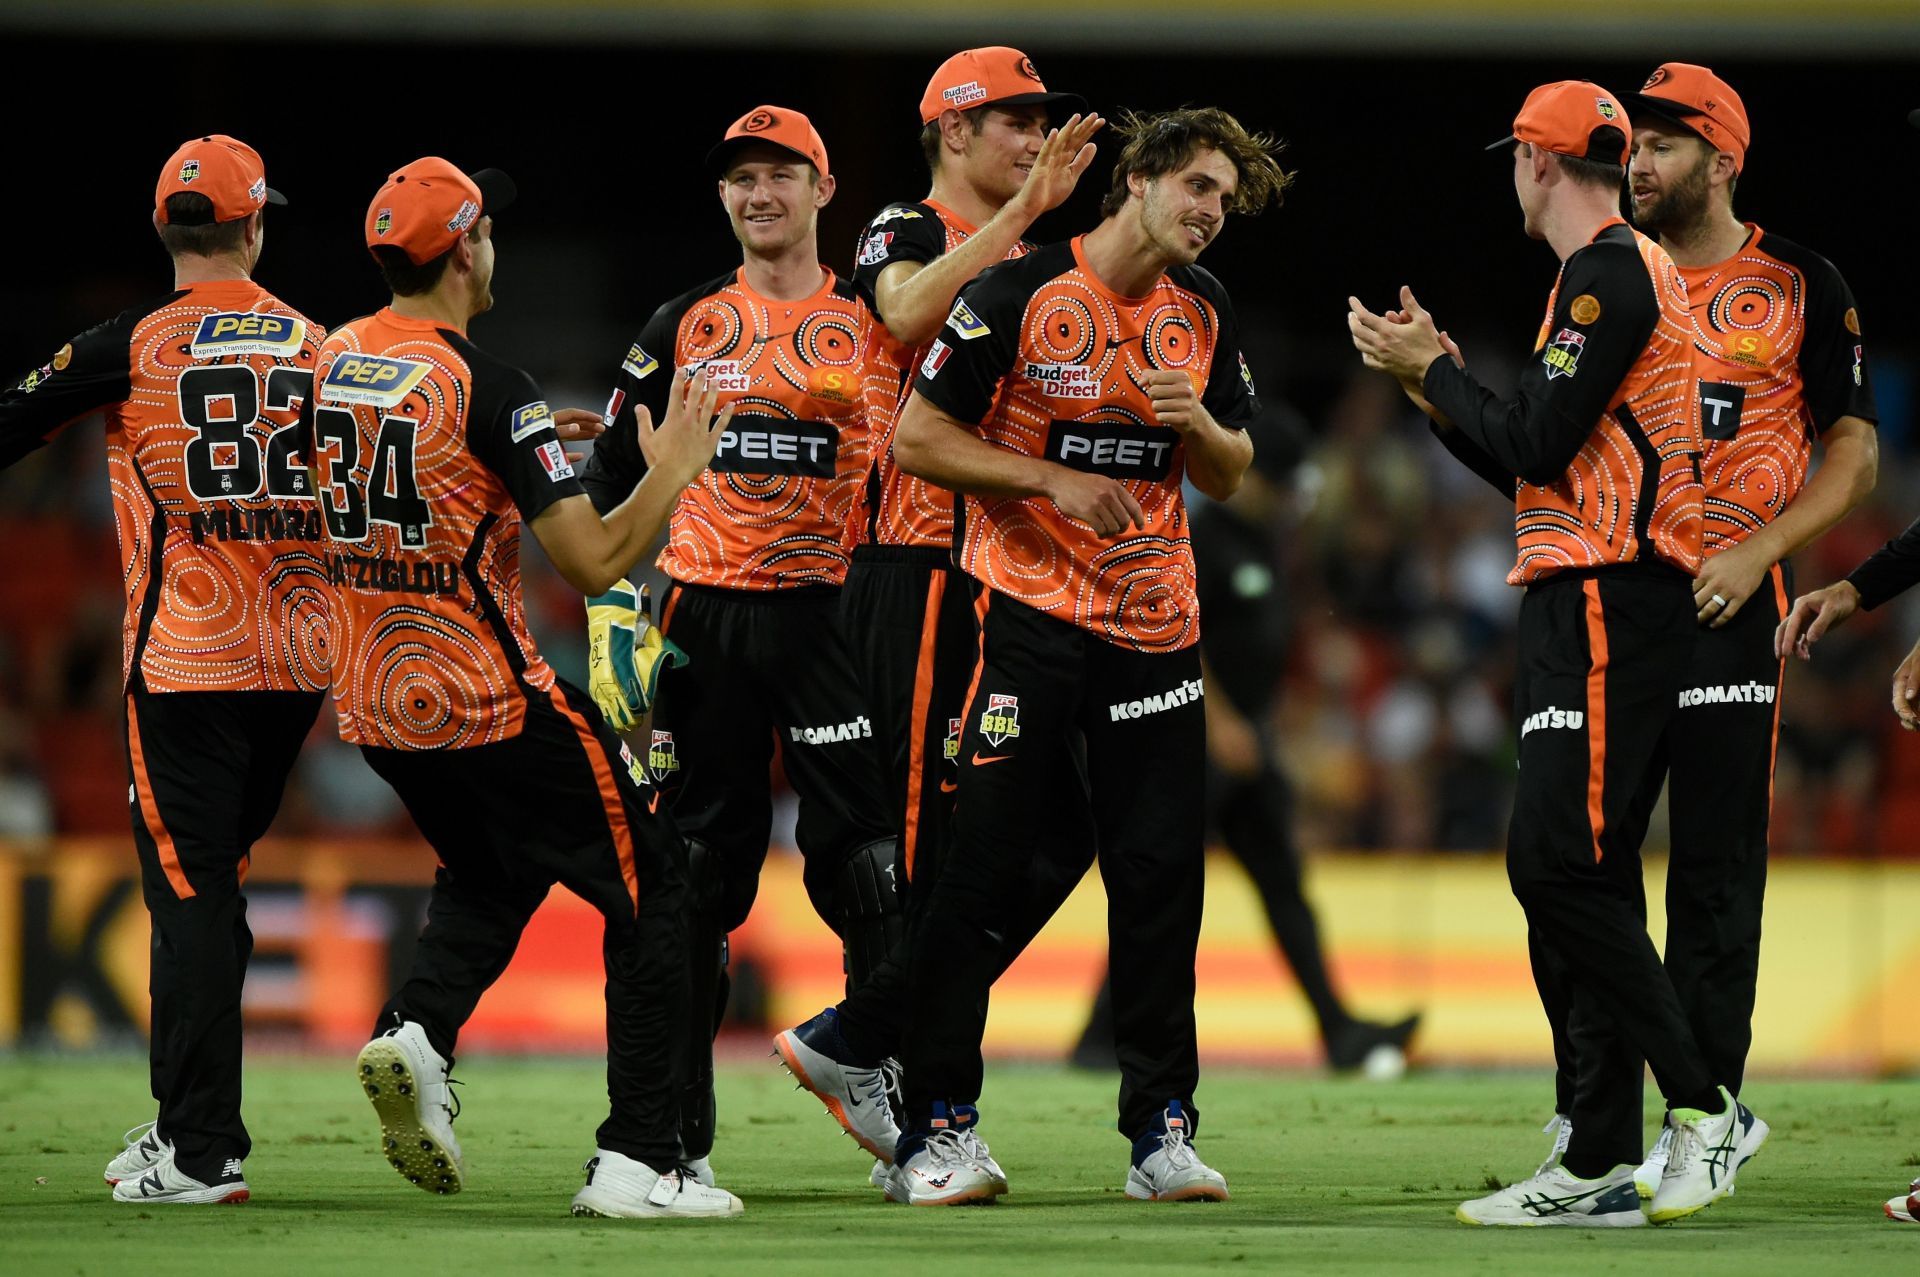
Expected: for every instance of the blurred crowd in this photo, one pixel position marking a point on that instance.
(1393, 718)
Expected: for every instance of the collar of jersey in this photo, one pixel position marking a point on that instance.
(952, 218)
(1099, 285)
(740, 282)
(388, 315)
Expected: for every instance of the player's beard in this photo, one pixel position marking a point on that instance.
(1165, 231)
(1680, 204)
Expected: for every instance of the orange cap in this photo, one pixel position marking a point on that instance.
(225, 170)
(1698, 100)
(429, 204)
(1572, 117)
(994, 76)
(775, 126)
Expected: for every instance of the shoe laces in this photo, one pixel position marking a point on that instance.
(1662, 1152)
(1685, 1145)
(1561, 1128)
(948, 1148)
(452, 1106)
(893, 1078)
(1173, 1143)
(141, 1132)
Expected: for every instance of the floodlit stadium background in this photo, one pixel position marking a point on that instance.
(1393, 719)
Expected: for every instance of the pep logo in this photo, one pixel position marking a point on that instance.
(371, 380)
(531, 419)
(247, 333)
(638, 362)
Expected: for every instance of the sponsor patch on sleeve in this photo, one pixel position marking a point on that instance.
(874, 251)
(531, 419)
(936, 356)
(553, 459)
(615, 402)
(965, 324)
(246, 333)
(1246, 376)
(638, 362)
(1562, 355)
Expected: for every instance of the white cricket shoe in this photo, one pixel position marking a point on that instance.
(1906, 1210)
(1555, 1196)
(144, 1151)
(618, 1187)
(164, 1184)
(701, 1169)
(406, 1079)
(1707, 1149)
(942, 1173)
(889, 1179)
(854, 1092)
(1170, 1170)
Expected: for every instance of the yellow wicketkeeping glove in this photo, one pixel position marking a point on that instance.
(626, 654)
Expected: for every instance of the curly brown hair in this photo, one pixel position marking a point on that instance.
(1162, 142)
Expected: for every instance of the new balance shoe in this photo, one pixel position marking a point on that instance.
(1706, 1151)
(144, 1151)
(406, 1079)
(618, 1187)
(1555, 1197)
(937, 1167)
(1905, 1210)
(164, 1184)
(1167, 1169)
(854, 1091)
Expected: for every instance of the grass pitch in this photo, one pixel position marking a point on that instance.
(1328, 1176)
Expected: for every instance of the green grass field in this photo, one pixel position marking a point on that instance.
(1328, 1176)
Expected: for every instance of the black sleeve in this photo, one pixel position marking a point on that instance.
(962, 370)
(510, 431)
(898, 233)
(645, 376)
(1566, 387)
(1229, 396)
(1889, 570)
(91, 371)
(1475, 458)
(1833, 364)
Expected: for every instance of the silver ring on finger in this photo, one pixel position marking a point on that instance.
(1718, 599)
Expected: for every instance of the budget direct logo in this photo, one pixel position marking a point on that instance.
(1063, 381)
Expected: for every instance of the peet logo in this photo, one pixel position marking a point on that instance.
(1000, 721)
(1189, 691)
(772, 445)
(531, 419)
(1063, 381)
(372, 380)
(1573, 719)
(1720, 409)
(1113, 448)
(246, 333)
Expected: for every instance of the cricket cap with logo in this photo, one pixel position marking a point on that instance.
(993, 76)
(1702, 103)
(225, 170)
(775, 126)
(430, 203)
(1576, 118)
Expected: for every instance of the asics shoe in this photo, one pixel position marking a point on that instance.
(144, 1151)
(1906, 1210)
(618, 1187)
(165, 1184)
(1554, 1196)
(1706, 1150)
(1166, 1168)
(406, 1079)
(854, 1092)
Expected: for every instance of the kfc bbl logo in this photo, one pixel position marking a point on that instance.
(951, 750)
(1001, 721)
(660, 757)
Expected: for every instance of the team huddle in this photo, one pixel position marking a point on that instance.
(925, 535)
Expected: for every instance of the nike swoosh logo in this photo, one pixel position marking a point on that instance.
(947, 787)
(1114, 343)
(653, 804)
(982, 762)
